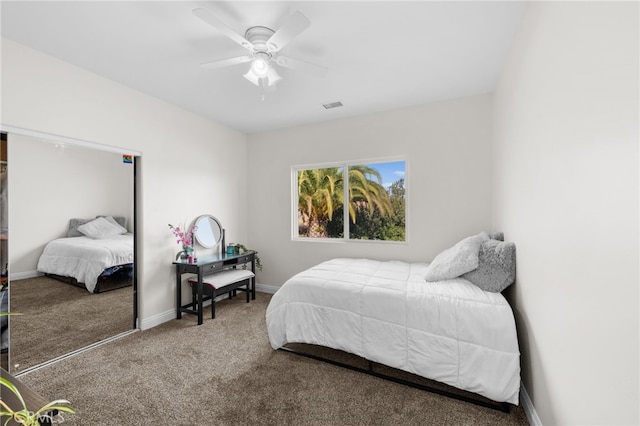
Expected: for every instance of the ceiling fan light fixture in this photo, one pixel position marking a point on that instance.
(270, 79)
(252, 77)
(260, 65)
(261, 73)
(273, 77)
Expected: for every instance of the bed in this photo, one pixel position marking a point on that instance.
(101, 258)
(398, 314)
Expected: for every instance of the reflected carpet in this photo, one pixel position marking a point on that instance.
(57, 318)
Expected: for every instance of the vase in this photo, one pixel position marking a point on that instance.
(186, 253)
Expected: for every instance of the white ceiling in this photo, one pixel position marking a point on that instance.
(381, 55)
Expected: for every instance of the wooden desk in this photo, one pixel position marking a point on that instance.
(208, 265)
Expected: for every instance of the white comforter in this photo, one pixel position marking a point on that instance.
(84, 258)
(450, 331)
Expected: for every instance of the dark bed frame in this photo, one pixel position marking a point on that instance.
(112, 282)
(394, 376)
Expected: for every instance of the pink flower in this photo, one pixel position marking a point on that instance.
(184, 238)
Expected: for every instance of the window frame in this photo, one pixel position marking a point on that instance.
(345, 167)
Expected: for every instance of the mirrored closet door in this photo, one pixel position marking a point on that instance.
(71, 247)
(4, 259)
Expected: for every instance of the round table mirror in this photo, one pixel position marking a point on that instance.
(208, 231)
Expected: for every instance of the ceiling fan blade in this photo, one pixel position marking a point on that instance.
(216, 23)
(298, 65)
(294, 25)
(226, 62)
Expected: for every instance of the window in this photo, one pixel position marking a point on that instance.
(372, 194)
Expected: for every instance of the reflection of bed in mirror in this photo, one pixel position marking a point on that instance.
(96, 254)
(55, 178)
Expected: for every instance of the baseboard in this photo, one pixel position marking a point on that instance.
(527, 406)
(266, 288)
(171, 314)
(24, 275)
(156, 320)
(167, 316)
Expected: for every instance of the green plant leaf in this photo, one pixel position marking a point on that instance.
(24, 416)
(6, 383)
(58, 404)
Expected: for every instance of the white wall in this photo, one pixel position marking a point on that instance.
(566, 190)
(447, 148)
(53, 183)
(190, 165)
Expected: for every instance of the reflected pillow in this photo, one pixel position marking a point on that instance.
(100, 228)
(117, 221)
(456, 260)
(120, 220)
(497, 266)
(74, 223)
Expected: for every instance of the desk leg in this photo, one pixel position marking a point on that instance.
(253, 279)
(178, 293)
(200, 297)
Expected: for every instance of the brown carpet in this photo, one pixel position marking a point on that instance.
(224, 372)
(57, 318)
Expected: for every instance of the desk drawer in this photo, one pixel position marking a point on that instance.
(245, 259)
(206, 270)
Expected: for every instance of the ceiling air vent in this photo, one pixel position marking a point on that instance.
(332, 105)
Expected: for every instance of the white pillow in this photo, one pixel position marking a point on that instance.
(100, 228)
(114, 222)
(456, 260)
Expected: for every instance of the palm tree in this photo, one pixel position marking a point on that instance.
(321, 193)
(365, 192)
(317, 197)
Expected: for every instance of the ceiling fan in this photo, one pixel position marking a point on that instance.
(264, 45)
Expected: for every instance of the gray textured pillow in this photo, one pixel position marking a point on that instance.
(73, 227)
(497, 236)
(497, 266)
(456, 260)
